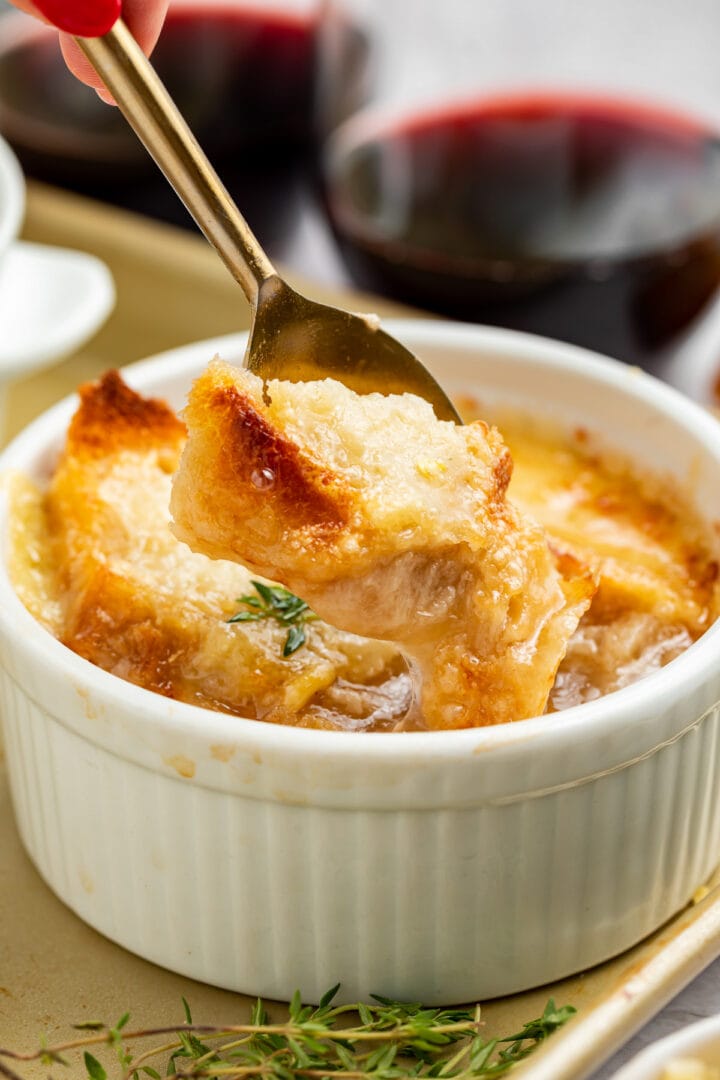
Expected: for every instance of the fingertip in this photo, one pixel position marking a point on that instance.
(78, 63)
(145, 20)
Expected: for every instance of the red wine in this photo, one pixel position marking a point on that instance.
(239, 74)
(245, 73)
(594, 221)
(246, 79)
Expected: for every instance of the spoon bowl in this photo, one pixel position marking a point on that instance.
(299, 340)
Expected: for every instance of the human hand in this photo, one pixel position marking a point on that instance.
(144, 19)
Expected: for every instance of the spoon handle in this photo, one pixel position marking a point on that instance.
(149, 109)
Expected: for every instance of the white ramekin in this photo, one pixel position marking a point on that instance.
(428, 866)
(700, 1040)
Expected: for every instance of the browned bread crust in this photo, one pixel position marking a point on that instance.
(390, 524)
(112, 416)
(137, 602)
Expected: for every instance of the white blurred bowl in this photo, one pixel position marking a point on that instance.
(12, 197)
(438, 866)
(51, 299)
(701, 1041)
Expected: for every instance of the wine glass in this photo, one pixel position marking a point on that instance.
(549, 167)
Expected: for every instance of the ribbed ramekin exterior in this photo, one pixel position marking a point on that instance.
(437, 905)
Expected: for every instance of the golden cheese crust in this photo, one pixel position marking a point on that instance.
(137, 602)
(389, 523)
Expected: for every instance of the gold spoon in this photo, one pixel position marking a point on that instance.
(291, 337)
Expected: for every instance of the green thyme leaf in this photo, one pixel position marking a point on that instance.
(247, 616)
(278, 603)
(94, 1069)
(267, 593)
(259, 1016)
(480, 1053)
(366, 1016)
(294, 640)
(328, 996)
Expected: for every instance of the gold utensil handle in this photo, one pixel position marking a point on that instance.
(149, 109)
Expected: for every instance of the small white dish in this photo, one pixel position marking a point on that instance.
(700, 1041)
(51, 301)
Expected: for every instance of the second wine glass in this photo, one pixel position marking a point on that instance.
(552, 168)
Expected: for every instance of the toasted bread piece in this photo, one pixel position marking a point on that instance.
(137, 602)
(389, 523)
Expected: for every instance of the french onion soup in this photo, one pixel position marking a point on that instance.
(351, 562)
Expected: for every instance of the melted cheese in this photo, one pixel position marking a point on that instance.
(655, 560)
(650, 551)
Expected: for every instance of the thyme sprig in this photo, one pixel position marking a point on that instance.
(392, 1040)
(275, 602)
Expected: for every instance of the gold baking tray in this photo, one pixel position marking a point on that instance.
(54, 970)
